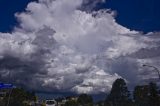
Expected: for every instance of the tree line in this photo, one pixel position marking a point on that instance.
(143, 95)
(17, 97)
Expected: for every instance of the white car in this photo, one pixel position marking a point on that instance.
(51, 103)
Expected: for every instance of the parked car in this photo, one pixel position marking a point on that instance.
(51, 103)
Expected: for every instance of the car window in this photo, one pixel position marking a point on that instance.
(50, 102)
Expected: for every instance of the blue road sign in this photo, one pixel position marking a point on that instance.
(6, 86)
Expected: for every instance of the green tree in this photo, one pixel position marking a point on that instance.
(119, 95)
(19, 97)
(154, 99)
(85, 100)
(140, 95)
(100, 103)
(71, 103)
(146, 95)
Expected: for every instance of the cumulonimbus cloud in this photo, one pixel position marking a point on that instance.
(60, 47)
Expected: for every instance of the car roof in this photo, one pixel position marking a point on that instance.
(50, 100)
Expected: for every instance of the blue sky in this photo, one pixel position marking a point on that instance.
(141, 15)
(7, 9)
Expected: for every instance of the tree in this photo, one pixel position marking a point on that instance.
(140, 95)
(100, 103)
(85, 100)
(19, 97)
(71, 103)
(119, 95)
(154, 99)
(146, 95)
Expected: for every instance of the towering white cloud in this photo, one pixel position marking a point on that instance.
(60, 47)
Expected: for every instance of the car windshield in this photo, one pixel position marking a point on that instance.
(50, 102)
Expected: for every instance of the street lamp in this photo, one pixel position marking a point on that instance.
(155, 69)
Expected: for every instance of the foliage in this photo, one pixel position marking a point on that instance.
(154, 99)
(85, 100)
(71, 103)
(141, 95)
(119, 94)
(19, 97)
(43, 104)
(100, 103)
(146, 95)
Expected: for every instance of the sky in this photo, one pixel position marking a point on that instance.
(141, 15)
(78, 46)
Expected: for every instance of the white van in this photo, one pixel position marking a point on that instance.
(51, 103)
